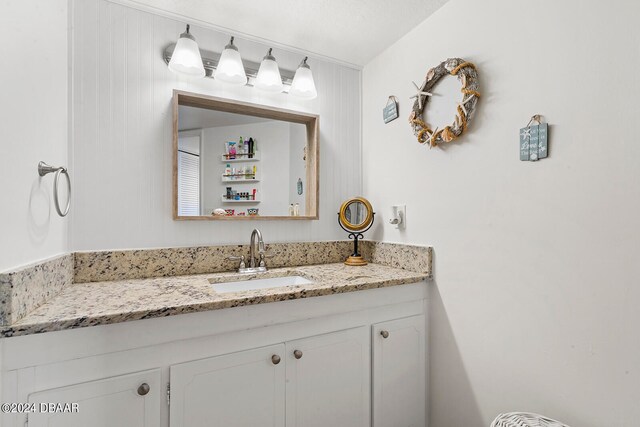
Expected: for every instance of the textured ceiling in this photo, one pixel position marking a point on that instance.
(351, 31)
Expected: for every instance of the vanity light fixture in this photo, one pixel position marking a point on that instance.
(303, 85)
(269, 78)
(186, 57)
(230, 68)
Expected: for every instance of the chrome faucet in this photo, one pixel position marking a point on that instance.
(252, 248)
(257, 255)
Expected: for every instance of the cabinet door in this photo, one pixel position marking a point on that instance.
(117, 401)
(399, 373)
(328, 380)
(244, 389)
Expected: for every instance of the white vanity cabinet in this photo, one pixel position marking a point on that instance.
(324, 381)
(399, 372)
(239, 389)
(328, 380)
(128, 400)
(312, 362)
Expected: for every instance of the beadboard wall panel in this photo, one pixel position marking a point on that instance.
(122, 130)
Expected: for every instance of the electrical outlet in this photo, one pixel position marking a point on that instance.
(398, 216)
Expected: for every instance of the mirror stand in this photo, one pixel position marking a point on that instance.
(356, 259)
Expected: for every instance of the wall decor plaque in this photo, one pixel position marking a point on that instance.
(534, 140)
(390, 111)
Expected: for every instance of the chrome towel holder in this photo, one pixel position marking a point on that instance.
(44, 169)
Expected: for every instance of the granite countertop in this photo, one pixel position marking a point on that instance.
(100, 303)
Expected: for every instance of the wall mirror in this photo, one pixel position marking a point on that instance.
(234, 160)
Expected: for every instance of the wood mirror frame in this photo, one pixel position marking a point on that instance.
(311, 122)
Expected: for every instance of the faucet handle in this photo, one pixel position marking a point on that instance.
(264, 255)
(238, 258)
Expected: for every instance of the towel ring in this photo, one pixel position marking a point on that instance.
(44, 169)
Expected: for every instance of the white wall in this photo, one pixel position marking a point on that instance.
(122, 133)
(33, 127)
(272, 139)
(535, 302)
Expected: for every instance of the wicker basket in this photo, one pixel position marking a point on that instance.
(525, 419)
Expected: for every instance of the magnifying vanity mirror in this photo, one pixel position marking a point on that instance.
(234, 160)
(355, 217)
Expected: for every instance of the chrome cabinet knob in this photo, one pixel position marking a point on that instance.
(275, 359)
(297, 354)
(143, 389)
(385, 334)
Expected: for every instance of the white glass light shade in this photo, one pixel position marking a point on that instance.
(303, 85)
(230, 69)
(186, 57)
(269, 78)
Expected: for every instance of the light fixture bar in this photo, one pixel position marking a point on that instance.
(210, 62)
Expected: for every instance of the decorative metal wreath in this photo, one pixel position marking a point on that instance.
(468, 76)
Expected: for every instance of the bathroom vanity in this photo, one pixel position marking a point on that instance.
(194, 356)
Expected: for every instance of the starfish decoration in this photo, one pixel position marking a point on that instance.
(464, 101)
(526, 133)
(430, 134)
(420, 93)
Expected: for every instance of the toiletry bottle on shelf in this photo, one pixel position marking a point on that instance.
(246, 148)
(253, 197)
(255, 172)
(251, 147)
(291, 211)
(232, 150)
(241, 146)
(226, 150)
(227, 171)
(296, 210)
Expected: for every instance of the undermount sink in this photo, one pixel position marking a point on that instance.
(253, 284)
